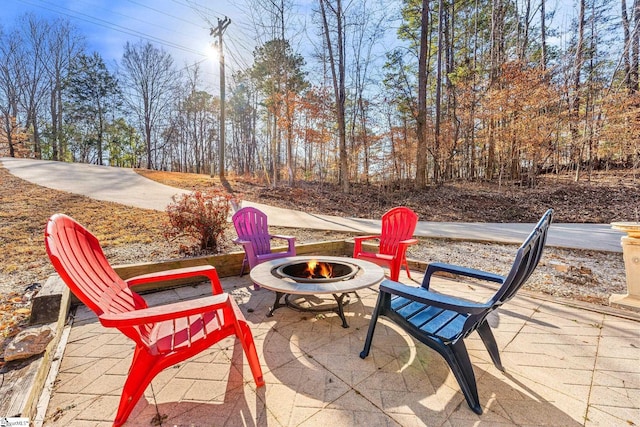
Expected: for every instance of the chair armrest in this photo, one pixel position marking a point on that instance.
(165, 312)
(408, 242)
(280, 236)
(403, 245)
(291, 240)
(425, 296)
(357, 243)
(247, 247)
(460, 271)
(361, 238)
(205, 271)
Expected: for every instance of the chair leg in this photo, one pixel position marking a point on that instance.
(457, 357)
(249, 347)
(143, 368)
(243, 333)
(406, 267)
(244, 264)
(484, 330)
(372, 326)
(394, 271)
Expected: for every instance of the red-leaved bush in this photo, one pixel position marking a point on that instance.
(201, 216)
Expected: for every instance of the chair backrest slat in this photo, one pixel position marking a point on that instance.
(79, 260)
(251, 225)
(398, 224)
(526, 260)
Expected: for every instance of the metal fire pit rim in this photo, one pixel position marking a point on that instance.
(278, 270)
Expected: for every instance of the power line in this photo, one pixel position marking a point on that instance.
(238, 60)
(199, 9)
(167, 14)
(135, 18)
(106, 24)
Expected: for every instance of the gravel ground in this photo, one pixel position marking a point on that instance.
(589, 276)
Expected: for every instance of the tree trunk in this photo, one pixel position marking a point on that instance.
(421, 119)
(338, 76)
(275, 152)
(635, 46)
(575, 102)
(543, 35)
(497, 56)
(436, 133)
(54, 127)
(525, 31)
(289, 115)
(627, 44)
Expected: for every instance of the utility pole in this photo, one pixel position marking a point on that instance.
(219, 31)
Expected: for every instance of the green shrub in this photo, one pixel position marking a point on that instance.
(201, 216)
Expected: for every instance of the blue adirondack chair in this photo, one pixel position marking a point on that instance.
(442, 322)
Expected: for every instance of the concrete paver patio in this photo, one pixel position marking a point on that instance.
(564, 366)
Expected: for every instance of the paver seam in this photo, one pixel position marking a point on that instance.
(593, 371)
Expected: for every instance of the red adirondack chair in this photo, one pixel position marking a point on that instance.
(253, 234)
(164, 335)
(398, 225)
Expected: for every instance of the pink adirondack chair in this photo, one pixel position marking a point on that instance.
(398, 226)
(164, 335)
(253, 234)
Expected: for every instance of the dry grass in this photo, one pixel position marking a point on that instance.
(25, 209)
(188, 181)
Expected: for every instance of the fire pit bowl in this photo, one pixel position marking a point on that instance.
(302, 288)
(315, 271)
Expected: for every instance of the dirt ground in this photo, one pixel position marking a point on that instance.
(606, 197)
(130, 235)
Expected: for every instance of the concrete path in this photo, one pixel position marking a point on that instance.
(124, 186)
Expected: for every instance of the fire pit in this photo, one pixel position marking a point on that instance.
(315, 271)
(315, 275)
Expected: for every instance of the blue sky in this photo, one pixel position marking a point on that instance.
(181, 27)
(178, 26)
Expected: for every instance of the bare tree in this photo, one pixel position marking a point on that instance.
(197, 117)
(34, 33)
(149, 78)
(272, 19)
(242, 114)
(366, 35)
(335, 43)
(63, 47)
(11, 85)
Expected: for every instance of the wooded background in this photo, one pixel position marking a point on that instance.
(423, 92)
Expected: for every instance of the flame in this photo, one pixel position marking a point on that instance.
(317, 269)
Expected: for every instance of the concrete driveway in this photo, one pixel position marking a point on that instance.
(122, 185)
